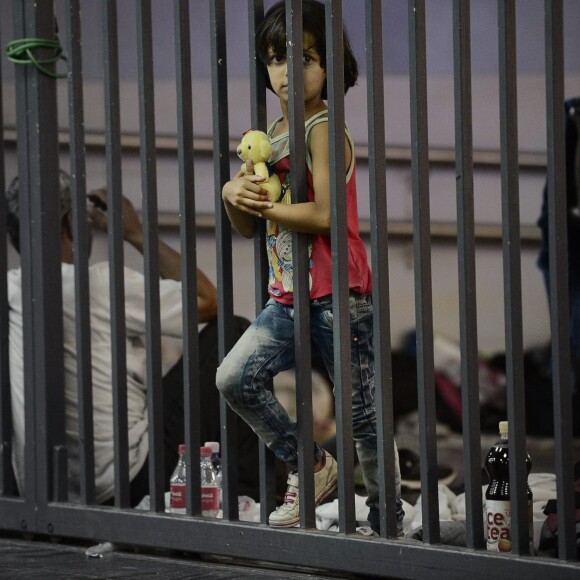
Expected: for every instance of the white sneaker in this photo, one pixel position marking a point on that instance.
(288, 514)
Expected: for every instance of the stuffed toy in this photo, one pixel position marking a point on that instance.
(256, 147)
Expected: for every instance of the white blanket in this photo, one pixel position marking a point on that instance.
(451, 507)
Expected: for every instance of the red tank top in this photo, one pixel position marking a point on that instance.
(279, 238)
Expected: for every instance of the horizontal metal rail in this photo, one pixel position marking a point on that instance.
(394, 154)
(45, 509)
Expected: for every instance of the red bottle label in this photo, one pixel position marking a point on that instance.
(210, 498)
(177, 495)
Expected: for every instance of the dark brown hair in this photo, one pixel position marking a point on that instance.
(271, 33)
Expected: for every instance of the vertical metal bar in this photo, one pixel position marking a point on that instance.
(6, 476)
(559, 293)
(115, 243)
(21, 84)
(219, 77)
(380, 268)
(157, 481)
(41, 265)
(295, 43)
(257, 81)
(466, 251)
(258, 112)
(191, 384)
(81, 254)
(340, 279)
(512, 274)
(422, 253)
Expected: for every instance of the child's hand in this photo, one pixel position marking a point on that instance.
(245, 194)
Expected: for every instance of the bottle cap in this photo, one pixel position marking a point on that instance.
(205, 451)
(181, 449)
(214, 445)
(503, 427)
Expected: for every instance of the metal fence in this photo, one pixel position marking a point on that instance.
(45, 509)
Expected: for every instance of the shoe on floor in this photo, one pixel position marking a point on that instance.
(411, 474)
(288, 514)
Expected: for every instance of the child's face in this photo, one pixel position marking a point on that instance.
(314, 74)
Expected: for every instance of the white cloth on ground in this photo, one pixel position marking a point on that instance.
(327, 514)
(451, 507)
(543, 486)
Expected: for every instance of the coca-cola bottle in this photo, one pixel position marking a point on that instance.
(497, 497)
(177, 483)
(210, 491)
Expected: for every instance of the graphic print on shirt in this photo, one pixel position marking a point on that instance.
(279, 247)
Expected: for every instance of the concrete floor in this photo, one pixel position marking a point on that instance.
(41, 559)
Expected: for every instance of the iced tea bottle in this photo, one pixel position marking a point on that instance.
(497, 497)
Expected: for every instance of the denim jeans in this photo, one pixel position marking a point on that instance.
(267, 348)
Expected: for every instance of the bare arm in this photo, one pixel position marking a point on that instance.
(245, 200)
(207, 299)
(169, 259)
(311, 217)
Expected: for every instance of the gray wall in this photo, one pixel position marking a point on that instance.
(530, 32)
(532, 138)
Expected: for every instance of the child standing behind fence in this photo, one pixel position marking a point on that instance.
(267, 347)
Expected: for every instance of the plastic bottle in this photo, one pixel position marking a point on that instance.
(216, 462)
(497, 496)
(210, 491)
(177, 484)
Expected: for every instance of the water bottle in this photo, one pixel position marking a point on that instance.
(216, 462)
(215, 455)
(497, 497)
(177, 483)
(210, 496)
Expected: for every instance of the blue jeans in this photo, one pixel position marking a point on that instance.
(267, 348)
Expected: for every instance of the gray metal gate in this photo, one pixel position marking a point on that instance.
(45, 509)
